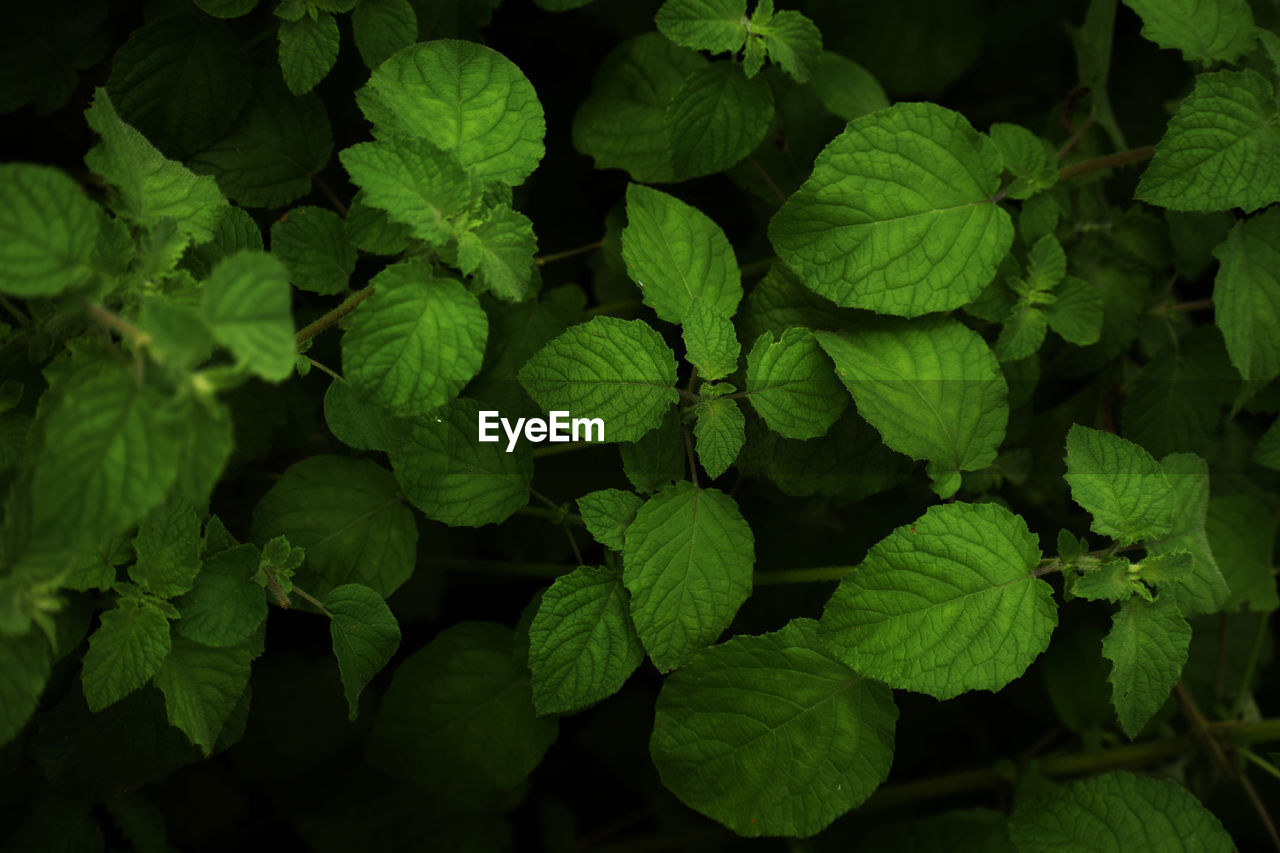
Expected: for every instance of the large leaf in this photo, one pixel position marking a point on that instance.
(676, 254)
(620, 371)
(791, 385)
(168, 548)
(225, 606)
(716, 118)
(944, 605)
(771, 735)
(348, 515)
(1205, 590)
(1217, 150)
(462, 97)
(459, 714)
(582, 645)
(1147, 646)
(246, 305)
(365, 635)
(607, 513)
(125, 651)
(449, 475)
(416, 342)
(202, 686)
(1120, 484)
(1246, 295)
(932, 388)
(897, 205)
(48, 229)
(688, 557)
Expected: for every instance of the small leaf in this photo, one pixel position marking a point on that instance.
(771, 735)
(793, 42)
(125, 651)
(503, 245)
(791, 385)
(168, 547)
(1110, 581)
(657, 457)
(1246, 294)
(312, 243)
(1076, 311)
(1031, 160)
(582, 646)
(1213, 31)
(676, 254)
(246, 306)
(365, 636)
(607, 513)
(1205, 590)
(711, 345)
(1022, 334)
(308, 49)
(688, 557)
(719, 434)
(620, 371)
(1120, 484)
(715, 26)
(946, 604)
(416, 183)
(1147, 646)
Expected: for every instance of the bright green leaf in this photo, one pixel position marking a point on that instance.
(48, 229)
(620, 371)
(1120, 484)
(582, 646)
(125, 651)
(793, 42)
(312, 243)
(1076, 311)
(1204, 30)
(771, 735)
(719, 434)
(946, 604)
(501, 247)
(710, 343)
(365, 636)
(688, 558)
(922, 179)
(1205, 590)
(1147, 646)
(371, 230)
(308, 49)
(1217, 150)
(1022, 333)
(168, 547)
(234, 230)
(1110, 581)
(356, 422)
(607, 513)
(1031, 161)
(416, 183)
(416, 342)
(657, 457)
(716, 118)
(348, 515)
(1246, 294)
(676, 254)
(791, 385)
(246, 305)
(715, 26)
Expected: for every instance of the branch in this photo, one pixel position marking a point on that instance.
(567, 253)
(1123, 158)
(312, 329)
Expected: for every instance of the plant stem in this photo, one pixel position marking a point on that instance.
(611, 308)
(688, 449)
(118, 324)
(814, 575)
(568, 253)
(349, 304)
(1255, 649)
(552, 514)
(1097, 164)
(317, 365)
(324, 187)
(756, 267)
(310, 599)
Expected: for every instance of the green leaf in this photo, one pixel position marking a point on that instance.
(931, 388)
(1031, 161)
(922, 179)
(459, 714)
(312, 243)
(946, 604)
(226, 8)
(1176, 402)
(416, 183)
(308, 49)
(657, 457)
(1267, 453)
(371, 230)
(791, 385)
(710, 343)
(1147, 646)
(356, 422)
(1213, 31)
(607, 513)
(151, 188)
(1110, 581)
(125, 651)
(246, 305)
(688, 557)
(1241, 530)
(1246, 294)
(168, 547)
(716, 118)
(500, 250)
(623, 123)
(365, 636)
(24, 669)
(276, 144)
(1116, 812)
(462, 97)
(48, 230)
(1215, 153)
(382, 27)
(234, 230)
(845, 88)
(676, 254)
(225, 605)
(1076, 311)
(719, 434)
(715, 26)
(1046, 265)
(620, 371)
(1205, 591)
(202, 686)
(348, 516)
(1173, 568)
(793, 42)
(1022, 333)
(455, 479)
(1120, 484)
(772, 735)
(416, 342)
(582, 646)
(181, 80)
